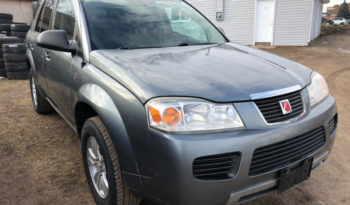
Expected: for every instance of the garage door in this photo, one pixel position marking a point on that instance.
(264, 20)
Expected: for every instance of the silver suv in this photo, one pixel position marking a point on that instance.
(168, 110)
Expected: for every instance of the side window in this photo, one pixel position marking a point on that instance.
(46, 16)
(64, 18)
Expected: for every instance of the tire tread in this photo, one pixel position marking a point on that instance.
(124, 195)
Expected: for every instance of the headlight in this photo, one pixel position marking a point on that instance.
(318, 89)
(187, 115)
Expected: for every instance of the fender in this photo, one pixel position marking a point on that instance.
(98, 99)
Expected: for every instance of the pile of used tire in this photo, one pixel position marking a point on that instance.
(13, 64)
(19, 30)
(2, 65)
(5, 22)
(14, 58)
(5, 40)
(15, 61)
(10, 28)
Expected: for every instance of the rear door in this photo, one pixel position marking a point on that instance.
(59, 72)
(42, 24)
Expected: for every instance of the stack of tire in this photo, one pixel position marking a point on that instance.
(19, 30)
(5, 40)
(14, 57)
(5, 22)
(2, 65)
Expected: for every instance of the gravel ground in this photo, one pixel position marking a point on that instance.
(40, 160)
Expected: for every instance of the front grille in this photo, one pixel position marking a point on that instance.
(214, 167)
(283, 153)
(332, 125)
(271, 109)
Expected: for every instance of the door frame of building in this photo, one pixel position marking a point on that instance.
(273, 24)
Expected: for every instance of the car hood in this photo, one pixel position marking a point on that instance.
(220, 73)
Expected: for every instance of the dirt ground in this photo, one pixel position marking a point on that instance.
(40, 160)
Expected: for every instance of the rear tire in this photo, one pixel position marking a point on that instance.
(40, 104)
(117, 192)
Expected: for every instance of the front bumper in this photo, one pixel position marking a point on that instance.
(172, 180)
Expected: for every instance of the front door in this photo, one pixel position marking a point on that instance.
(264, 20)
(58, 66)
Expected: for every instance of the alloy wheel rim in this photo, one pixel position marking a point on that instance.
(35, 99)
(97, 167)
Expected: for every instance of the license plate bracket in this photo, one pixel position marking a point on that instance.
(294, 175)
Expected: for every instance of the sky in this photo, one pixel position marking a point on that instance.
(333, 2)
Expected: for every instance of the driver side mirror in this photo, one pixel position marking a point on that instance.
(55, 40)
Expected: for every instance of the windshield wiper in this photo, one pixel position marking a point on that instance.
(183, 44)
(123, 48)
(195, 44)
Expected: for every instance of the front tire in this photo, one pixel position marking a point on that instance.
(102, 166)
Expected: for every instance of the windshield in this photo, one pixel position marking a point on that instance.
(127, 24)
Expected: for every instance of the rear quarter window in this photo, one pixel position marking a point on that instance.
(46, 16)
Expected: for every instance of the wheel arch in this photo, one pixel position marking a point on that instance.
(82, 112)
(95, 101)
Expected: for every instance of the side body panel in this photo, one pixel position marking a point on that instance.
(120, 111)
(69, 79)
(59, 77)
(35, 54)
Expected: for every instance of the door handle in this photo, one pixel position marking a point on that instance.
(47, 56)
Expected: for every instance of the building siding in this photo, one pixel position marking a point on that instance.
(292, 22)
(319, 19)
(22, 10)
(296, 22)
(239, 17)
(316, 19)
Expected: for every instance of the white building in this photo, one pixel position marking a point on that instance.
(279, 22)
